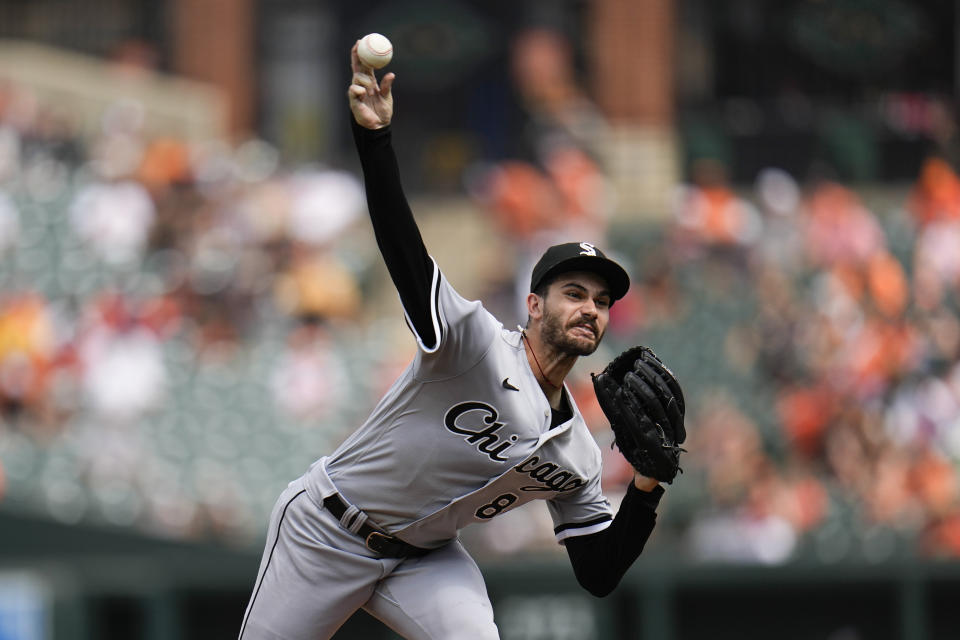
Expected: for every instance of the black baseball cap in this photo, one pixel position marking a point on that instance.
(580, 256)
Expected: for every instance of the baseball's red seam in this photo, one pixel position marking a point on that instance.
(379, 52)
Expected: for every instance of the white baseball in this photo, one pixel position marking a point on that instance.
(375, 50)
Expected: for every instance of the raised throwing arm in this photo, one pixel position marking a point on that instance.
(398, 237)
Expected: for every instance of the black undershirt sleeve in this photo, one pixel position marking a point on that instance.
(395, 229)
(601, 559)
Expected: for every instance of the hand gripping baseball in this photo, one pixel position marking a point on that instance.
(644, 403)
(371, 103)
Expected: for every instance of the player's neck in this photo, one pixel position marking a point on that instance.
(549, 367)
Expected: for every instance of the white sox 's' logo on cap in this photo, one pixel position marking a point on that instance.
(579, 256)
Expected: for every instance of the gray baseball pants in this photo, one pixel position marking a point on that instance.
(315, 574)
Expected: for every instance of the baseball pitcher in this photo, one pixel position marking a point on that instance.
(478, 424)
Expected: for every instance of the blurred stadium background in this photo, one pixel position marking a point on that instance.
(192, 307)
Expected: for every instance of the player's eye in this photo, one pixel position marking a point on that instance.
(603, 303)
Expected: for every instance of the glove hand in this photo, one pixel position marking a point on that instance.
(645, 406)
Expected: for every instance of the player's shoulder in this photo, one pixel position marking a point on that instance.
(511, 337)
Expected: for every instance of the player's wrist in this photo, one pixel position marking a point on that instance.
(643, 483)
(369, 128)
(649, 499)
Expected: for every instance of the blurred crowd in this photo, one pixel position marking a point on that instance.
(851, 339)
(185, 325)
(131, 264)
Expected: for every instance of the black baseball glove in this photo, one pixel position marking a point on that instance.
(644, 404)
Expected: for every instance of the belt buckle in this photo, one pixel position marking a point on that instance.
(376, 541)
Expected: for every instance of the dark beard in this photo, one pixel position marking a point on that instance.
(554, 336)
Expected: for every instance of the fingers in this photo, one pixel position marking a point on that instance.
(367, 81)
(355, 64)
(360, 69)
(356, 92)
(386, 83)
(366, 85)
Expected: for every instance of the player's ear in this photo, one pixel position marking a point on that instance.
(534, 306)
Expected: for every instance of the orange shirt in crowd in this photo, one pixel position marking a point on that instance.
(936, 194)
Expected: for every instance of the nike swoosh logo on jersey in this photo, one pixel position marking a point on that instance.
(507, 385)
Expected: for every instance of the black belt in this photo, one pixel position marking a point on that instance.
(383, 543)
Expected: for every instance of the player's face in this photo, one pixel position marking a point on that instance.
(576, 311)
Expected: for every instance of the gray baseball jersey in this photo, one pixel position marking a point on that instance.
(464, 435)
